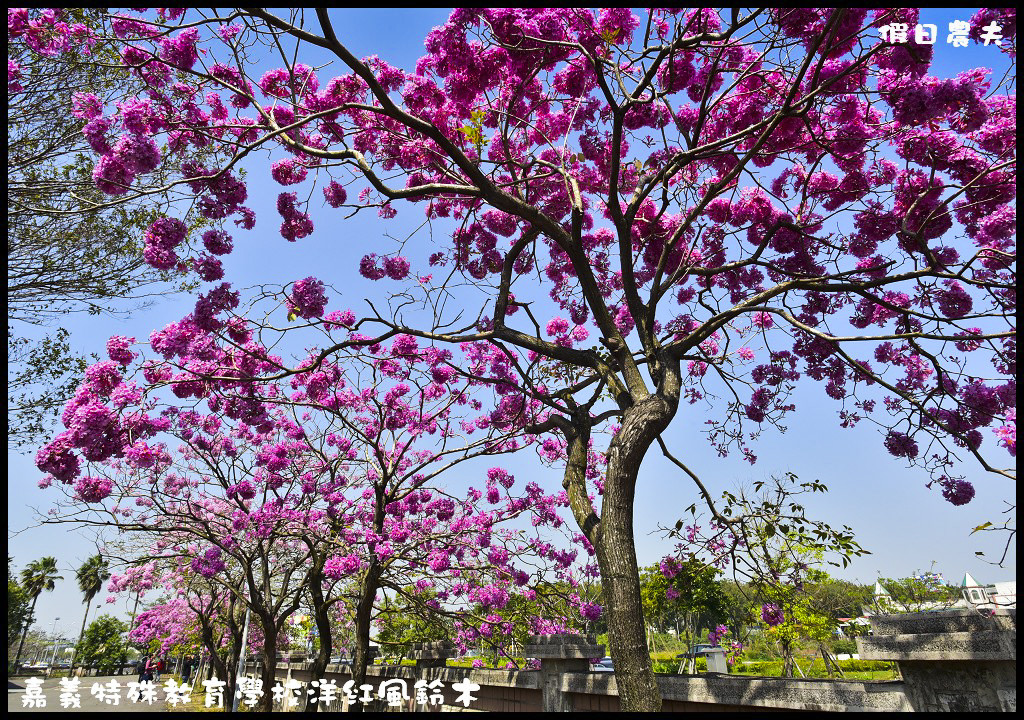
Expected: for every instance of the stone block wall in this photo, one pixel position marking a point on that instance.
(951, 661)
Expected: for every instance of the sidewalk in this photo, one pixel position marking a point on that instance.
(52, 692)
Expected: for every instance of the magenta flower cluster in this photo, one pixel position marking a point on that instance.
(772, 614)
(163, 236)
(307, 298)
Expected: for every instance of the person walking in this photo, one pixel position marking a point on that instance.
(150, 667)
(159, 668)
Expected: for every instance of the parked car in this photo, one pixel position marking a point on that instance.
(605, 664)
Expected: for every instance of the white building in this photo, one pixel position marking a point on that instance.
(987, 597)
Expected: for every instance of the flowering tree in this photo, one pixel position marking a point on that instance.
(774, 552)
(731, 202)
(322, 486)
(198, 613)
(218, 553)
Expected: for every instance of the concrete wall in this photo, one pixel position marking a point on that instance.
(956, 660)
(950, 661)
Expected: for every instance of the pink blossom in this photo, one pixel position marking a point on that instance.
(900, 445)
(308, 299)
(957, 491)
(93, 489)
(342, 566)
(772, 614)
(335, 194)
(590, 611)
(288, 172)
(396, 268)
(217, 242)
(118, 349)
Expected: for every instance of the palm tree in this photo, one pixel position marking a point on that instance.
(38, 576)
(91, 577)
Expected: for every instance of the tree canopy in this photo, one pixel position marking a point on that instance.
(686, 213)
(103, 645)
(69, 249)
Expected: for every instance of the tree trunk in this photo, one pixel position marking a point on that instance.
(231, 663)
(364, 616)
(634, 675)
(266, 702)
(81, 634)
(217, 667)
(323, 628)
(616, 553)
(787, 661)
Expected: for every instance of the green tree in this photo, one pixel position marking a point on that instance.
(400, 623)
(103, 645)
(809, 609)
(550, 602)
(91, 576)
(840, 598)
(803, 622)
(18, 612)
(69, 247)
(917, 593)
(765, 536)
(40, 575)
(692, 599)
(740, 608)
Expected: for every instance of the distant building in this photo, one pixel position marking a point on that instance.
(973, 595)
(852, 626)
(988, 597)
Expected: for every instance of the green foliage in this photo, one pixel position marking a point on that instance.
(759, 646)
(70, 248)
(771, 519)
(740, 608)
(18, 610)
(815, 668)
(550, 602)
(91, 576)
(768, 538)
(843, 646)
(918, 593)
(400, 624)
(839, 598)
(103, 645)
(474, 132)
(671, 666)
(39, 576)
(699, 600)
(865, 665)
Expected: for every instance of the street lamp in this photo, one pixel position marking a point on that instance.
(53, 630)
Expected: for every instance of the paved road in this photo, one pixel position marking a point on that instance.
(21, 696)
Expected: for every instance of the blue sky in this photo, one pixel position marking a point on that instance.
(906, 526)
